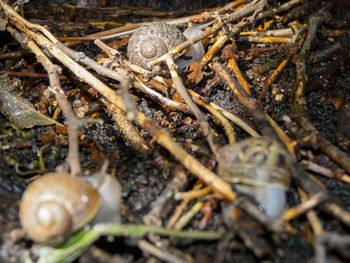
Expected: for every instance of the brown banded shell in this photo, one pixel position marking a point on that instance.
(259, 167)
(55, 205)
(152, 41)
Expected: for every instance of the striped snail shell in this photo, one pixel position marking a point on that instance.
(153, 40)
(261, 168)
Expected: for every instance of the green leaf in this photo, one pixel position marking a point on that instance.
(80, 241)
(17, 109)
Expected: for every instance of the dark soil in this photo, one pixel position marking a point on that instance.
(144, 176)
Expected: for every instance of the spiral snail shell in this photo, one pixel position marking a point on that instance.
(259, 167)
(153, 40)
(57, 204)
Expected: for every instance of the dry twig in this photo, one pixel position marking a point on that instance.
(53, 73)
(263, 124)
(299, 106)
(161, 136)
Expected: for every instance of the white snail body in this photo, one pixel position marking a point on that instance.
(155, 39)
(57, 204)
(195, 52)
(259, 168)
(110, 191)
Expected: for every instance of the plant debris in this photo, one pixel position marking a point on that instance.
(17, 109)
(277, 71)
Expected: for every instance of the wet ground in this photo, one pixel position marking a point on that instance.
(144, 176)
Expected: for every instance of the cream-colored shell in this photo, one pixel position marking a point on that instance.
(55, 205)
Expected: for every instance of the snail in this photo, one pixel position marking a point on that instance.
(195, 52)
(58, 204)
(153, 40)
(261, 168)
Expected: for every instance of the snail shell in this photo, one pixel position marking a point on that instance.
(55, 205)
(152, 41)
(261, 167)
(155, 39)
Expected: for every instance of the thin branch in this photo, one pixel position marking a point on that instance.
(53, 73)
(160, 253)
(180, 88)
(263, 124)
(235, 16)
(161, 136)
